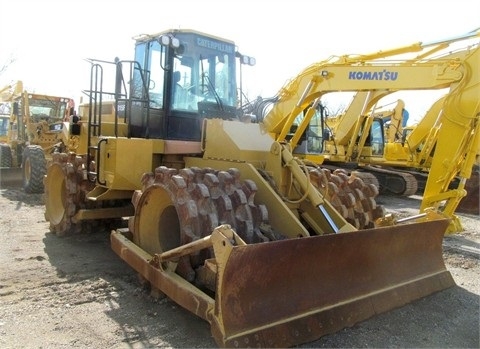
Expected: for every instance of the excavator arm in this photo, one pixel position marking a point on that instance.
(9, 92)
(457, 140)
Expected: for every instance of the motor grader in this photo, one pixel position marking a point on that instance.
(33, 131)
(444, 144)
(219, 216)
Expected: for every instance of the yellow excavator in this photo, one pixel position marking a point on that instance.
(444, 144)
(221, 217)
(409, 150)
(386, 128)
(32, 131)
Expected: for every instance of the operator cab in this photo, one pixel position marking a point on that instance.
(177, 78)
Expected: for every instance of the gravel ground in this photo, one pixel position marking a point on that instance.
(74, 292)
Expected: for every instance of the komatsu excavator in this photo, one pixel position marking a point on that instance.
(444, 144)
(32, 131)
(401, 156)
(221, 217)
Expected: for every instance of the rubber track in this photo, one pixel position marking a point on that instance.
(409, 182)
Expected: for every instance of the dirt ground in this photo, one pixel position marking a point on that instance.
(74, 292)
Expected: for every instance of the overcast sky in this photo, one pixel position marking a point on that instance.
(49, 40)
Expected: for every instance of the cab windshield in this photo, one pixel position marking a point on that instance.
(203, 70)
(43, 107)
(204, 74)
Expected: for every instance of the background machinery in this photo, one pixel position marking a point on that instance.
(441, 149)
(4, 118)
(214, 212)
(32, 131)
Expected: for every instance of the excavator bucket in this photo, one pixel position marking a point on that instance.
(293, 291)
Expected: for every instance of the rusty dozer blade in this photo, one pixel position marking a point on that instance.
(289, 292)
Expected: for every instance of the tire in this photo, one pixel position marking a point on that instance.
(34, 168)
(5, 156)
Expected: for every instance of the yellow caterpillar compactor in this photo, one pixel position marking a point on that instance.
(441, 150)
(31, 130)
(217, 214)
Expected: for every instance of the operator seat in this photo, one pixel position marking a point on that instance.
(179, 93)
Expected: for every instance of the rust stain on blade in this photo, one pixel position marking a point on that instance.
(176, 288)
(294, 291)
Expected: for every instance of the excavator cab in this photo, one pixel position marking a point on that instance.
(312, 140)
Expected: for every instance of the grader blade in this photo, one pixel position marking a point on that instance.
(290, 292)
(11, 176)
